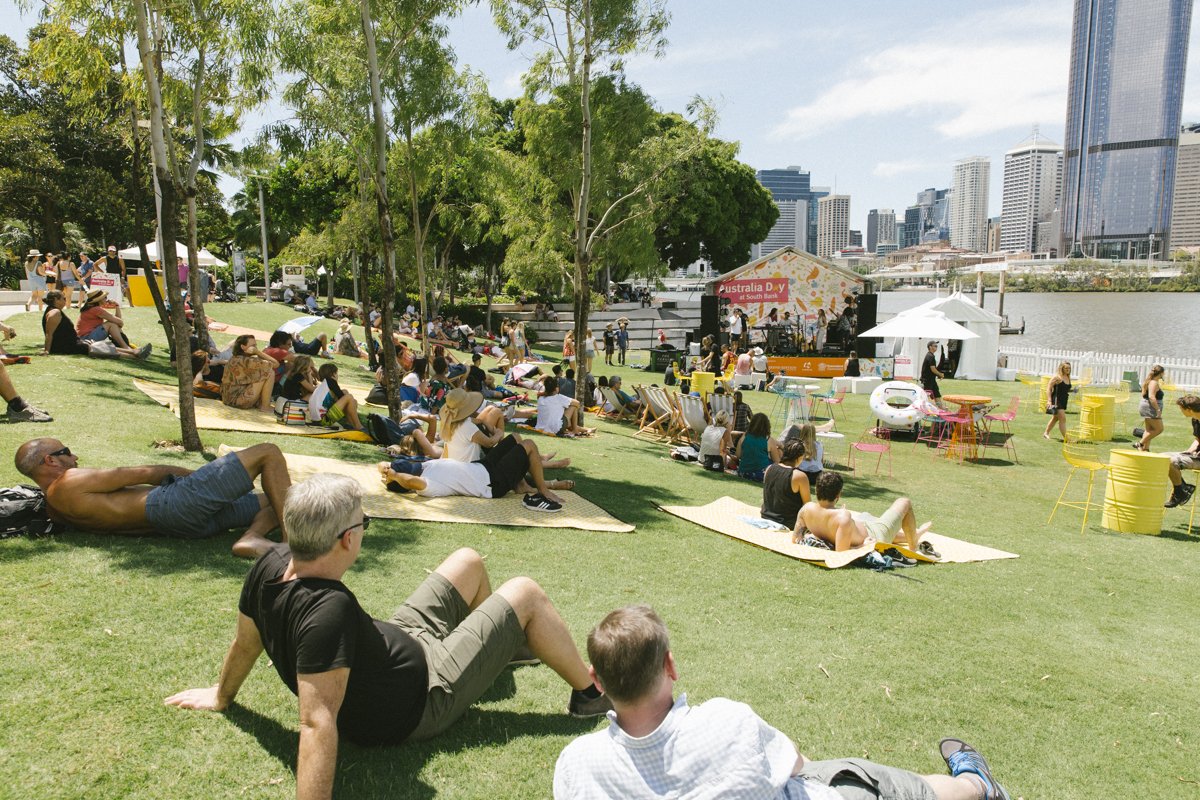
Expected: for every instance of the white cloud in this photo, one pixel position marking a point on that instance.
(994, 70)
(891, 169)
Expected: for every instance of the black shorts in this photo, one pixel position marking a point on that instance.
(506, 464)
(932, 388)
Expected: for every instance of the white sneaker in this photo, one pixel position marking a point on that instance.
(29, 414)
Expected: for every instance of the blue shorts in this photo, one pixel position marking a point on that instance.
(97, 334)
(216, 497)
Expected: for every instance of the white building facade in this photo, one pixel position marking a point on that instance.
(1032, 187)
(969, 204)
(833, 224)
(789, 230)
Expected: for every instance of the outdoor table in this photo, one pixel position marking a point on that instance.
(964, 441)
(703, 383)
(798, 403)
(1096, 417)
(1135, 491)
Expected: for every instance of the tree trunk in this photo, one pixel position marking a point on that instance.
(199, 321)
(583, 294)
(391, 367)
(418, 238)
(167, 212)
(488, 280)
(329, 277)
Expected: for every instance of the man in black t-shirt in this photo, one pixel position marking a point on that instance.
(380, 681)
(930, 373)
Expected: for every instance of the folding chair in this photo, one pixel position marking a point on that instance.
(620, 412)
(656, 415)
(693, 417)
(1080, 456)
(721, 402)
(831, 403)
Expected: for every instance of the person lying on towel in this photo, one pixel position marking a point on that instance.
(372, 681)
(821, 524)
(510, 466)
(168, 500)
(656, 745)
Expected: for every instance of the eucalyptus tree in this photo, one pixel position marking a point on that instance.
(583, 42)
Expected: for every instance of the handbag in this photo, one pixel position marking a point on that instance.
(293, 412)
(1050, 409)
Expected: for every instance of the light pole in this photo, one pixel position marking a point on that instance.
(262, 222)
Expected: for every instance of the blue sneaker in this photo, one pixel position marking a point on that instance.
(962, 758)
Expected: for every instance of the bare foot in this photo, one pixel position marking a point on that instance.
(549, 495)
(252, 545)
(561, 463)
(921, 531)
(565, 485)
(1046, 436)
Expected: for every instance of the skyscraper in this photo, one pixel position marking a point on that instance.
(1185, 209)
(881, 227)
(796, 199)
(1032, 183)
(1128, 59)
(969, 204)
(833, 224)
(910, 231)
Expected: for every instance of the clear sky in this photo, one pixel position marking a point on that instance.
(877, 98)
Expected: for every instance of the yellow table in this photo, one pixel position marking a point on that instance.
(703, 383)
(1096, 417)
(1135, 491)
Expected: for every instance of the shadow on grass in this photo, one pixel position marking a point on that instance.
(369, 772)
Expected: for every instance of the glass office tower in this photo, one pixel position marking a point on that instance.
(1128, 59)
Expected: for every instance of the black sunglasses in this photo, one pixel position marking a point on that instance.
(366, 523)
(66, 451)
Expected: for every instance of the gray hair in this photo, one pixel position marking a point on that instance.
(316, 511)
(31, 454)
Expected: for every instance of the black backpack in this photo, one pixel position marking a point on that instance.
(23, 513)
(383, 430)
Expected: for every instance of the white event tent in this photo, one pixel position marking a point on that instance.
(978, 355)
(205, 258)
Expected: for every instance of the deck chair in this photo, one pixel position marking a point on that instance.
(621, 412)
(677, 429)
(693, 417)
(721, 402)
(657, 414)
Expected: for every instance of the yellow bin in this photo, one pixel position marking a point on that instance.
(1096, 417)
(139, 289)
(703, 382)
(1135, 492)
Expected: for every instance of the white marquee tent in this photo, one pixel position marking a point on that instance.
(205, 258)
(978, 356)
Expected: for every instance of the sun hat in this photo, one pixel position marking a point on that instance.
(95, 296)
(460, 404)
(758, 351)
(33, 253)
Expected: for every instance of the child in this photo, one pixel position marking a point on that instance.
(329, 405)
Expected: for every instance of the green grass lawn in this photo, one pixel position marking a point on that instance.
(1073, 668)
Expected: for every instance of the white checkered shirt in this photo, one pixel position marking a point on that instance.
(720, 749)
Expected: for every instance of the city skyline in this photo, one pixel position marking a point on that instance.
(882, 104)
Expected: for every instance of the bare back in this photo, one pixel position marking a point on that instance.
(824, 523)
(76, 499)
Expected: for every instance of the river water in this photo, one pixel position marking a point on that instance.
(1138, 323)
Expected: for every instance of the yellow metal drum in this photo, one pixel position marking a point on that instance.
(703, 383)
(1136, 489)
(1096, 417)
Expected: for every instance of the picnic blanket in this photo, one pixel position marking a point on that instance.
(734, 518)
(377, 501)
(213, 415)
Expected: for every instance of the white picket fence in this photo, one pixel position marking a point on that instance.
(1105, 367)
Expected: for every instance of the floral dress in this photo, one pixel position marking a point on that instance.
(241, 387)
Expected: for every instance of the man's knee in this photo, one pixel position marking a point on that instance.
(261, 454)
(523, 594)
(903, 505)
(467, 557)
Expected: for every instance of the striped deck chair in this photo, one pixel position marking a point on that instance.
(721, 402)
(620, 412)
(693, 418)
(657, 414)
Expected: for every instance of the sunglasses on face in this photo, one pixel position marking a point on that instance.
(66, 451)
(366, 523)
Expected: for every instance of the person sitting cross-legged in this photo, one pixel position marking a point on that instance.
(822, 524)
(658, 746)
(373, 681)
(558, 414)
(1181, 490)
(510, 466)
(168, 500)
(785, 485)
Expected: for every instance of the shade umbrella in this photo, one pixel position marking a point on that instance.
(294, 326)
(926, 325)
(207, 259)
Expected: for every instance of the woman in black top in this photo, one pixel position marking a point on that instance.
(851, 369)
(61, 339)
(1057, 394)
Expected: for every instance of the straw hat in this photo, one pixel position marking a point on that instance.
(460, 404)
(33, 253)
(95, 296)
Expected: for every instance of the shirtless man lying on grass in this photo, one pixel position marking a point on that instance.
(505, 468)
(168, 500)
(821, 524)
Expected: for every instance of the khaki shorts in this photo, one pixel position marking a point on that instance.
(883, 528)
(464, 650)
(858, 779)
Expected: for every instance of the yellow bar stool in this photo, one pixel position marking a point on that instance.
(1079, 456)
